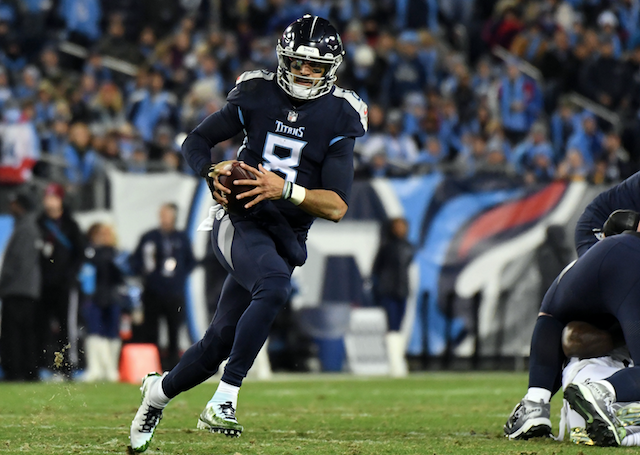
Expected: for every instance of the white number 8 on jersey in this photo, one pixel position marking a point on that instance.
(287, 164)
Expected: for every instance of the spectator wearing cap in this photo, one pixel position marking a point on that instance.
(608, 23)
(405, 74)
(359, 74)
(60, 261)
(587, 140)
(519, 102)
(20, 281)
(605, 79)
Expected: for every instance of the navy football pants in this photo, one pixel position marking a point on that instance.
(604, 281)
(258, 286)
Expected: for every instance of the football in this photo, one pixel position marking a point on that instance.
(237, 173)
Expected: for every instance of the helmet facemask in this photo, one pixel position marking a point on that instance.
(294, 84)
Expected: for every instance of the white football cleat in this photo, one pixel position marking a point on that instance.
(147, 418)
(220, 418)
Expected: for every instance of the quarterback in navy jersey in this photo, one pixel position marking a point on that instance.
(299, 133)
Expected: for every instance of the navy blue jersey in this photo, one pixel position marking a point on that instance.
(625, 195)
(310, 144)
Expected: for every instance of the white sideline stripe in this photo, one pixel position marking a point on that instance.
(388, 198)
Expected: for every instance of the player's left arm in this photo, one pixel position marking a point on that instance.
(328, 202)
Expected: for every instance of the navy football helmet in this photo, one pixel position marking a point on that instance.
(313, 41)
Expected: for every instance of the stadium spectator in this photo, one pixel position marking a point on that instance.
(20, 290)
(604, 79)
(114, 42)
(533, 157)
(164, 259)
(49, 65)
(82, 20)
(587, 139)
(574, 167)
(29, 82)
(83, 164)
(416, 15)
(399, 149)
(519, 103)
(614, 164)
(503, 27)
(406, 73)
(607, 24)
(152, 106)
(20, 146)
(559, 67)
(564, 122)
(60, 261)
(100, 278)
(107, 107)
(530, 43)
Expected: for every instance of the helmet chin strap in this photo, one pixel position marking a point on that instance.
(302, 92)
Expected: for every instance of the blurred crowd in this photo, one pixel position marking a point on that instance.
(86, 85)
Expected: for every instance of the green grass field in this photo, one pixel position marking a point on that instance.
(431, 413)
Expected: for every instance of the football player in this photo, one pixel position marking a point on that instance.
(595, 354)
(599, 285)
(625, 195)
(299, 133)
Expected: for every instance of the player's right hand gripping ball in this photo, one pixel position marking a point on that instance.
(235, 205)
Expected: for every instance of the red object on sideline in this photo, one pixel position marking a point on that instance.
(138, 359)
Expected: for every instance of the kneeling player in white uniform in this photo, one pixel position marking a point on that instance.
(593, 356)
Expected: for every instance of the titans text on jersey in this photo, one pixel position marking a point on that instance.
(298, 141)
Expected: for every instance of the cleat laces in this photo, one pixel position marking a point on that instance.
(151, 418)
(228, 413)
